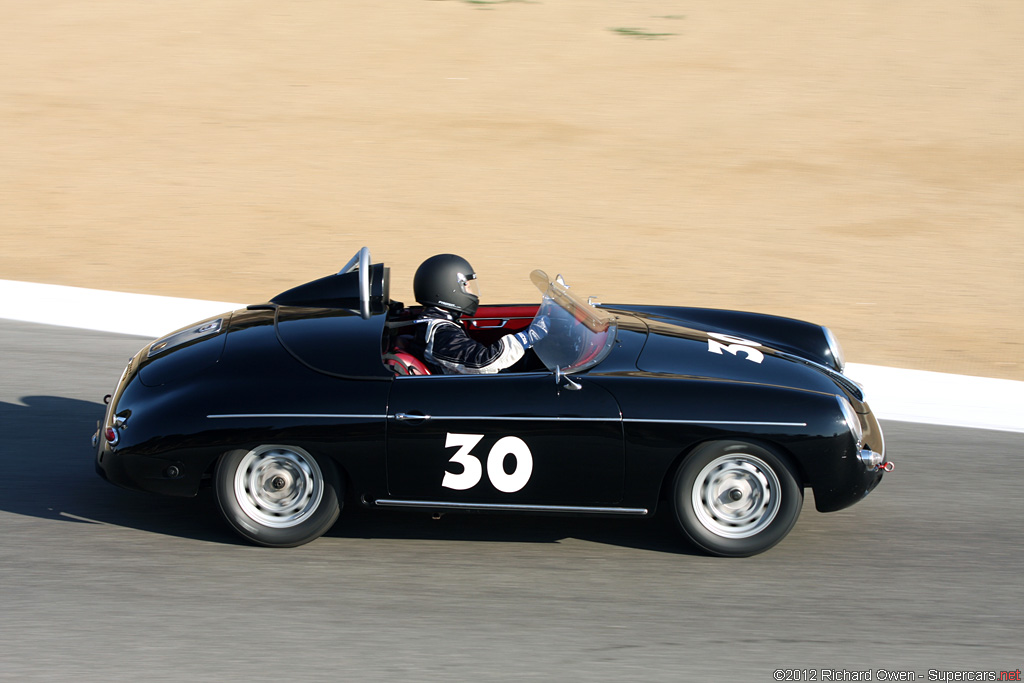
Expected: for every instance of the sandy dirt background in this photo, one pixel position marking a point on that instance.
(858, 164)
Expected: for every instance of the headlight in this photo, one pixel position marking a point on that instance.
(836, 349)
(851, 419)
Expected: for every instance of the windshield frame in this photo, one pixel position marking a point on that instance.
(580, 334)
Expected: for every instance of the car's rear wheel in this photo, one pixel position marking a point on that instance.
(736, 499)
(279, 496)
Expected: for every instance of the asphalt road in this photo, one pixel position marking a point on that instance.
(102, 584)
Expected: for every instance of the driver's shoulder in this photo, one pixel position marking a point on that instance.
(432, 314)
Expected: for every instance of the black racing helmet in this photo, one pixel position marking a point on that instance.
(447, 281)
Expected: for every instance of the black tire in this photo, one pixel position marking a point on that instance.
(278, 496)
(736, 499)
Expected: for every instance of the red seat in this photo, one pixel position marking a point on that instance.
(404, 363)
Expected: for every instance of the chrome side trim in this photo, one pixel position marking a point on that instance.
(303, 415)
(404, 416)
(501, 418)
(509, 507)
(716, 422)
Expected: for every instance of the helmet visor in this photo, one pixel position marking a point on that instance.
(469, 284)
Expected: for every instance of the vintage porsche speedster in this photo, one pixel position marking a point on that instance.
(290, 408)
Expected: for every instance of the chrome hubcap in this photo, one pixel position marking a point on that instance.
(278, 486)
(736, 496)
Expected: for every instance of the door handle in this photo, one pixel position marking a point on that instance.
(489, 323)
(411, 417)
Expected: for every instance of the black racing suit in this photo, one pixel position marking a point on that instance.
(442, 342)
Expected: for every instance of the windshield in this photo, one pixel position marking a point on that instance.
(580, 335)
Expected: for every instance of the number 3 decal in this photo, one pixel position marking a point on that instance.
(736, 345)
(472, 471)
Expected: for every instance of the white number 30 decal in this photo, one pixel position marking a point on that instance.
(735, 345)
(472, 471)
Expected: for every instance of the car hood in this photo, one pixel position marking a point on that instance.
(729, 354)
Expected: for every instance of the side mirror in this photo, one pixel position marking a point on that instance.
(569, 383)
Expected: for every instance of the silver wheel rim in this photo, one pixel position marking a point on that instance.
(736, 496)
(278, 486)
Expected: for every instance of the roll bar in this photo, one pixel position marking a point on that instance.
(361, 262)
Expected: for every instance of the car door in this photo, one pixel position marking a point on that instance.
(503, 439)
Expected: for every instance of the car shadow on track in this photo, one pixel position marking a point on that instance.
(657, 533)
(49, 469)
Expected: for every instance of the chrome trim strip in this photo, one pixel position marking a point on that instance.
(501, 418)
(635, 420)
(716, 422)
(509, 507)
(312, 415)
(403, 416)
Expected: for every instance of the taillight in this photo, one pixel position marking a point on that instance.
(111, 435)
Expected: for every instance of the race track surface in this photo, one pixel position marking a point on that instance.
(104, 584)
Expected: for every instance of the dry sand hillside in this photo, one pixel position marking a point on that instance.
(859, 164)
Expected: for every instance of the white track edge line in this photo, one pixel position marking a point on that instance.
(893, 393)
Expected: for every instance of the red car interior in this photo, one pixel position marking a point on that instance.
(489, 324)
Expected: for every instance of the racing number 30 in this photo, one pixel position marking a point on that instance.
(472, 471)
(736, 345)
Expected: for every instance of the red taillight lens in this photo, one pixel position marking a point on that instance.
(111, 435)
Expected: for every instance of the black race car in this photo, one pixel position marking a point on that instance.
(292, 407)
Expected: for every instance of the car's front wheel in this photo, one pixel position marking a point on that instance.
(736, 499)
(278, 496)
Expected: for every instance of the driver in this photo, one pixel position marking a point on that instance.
(447, 287)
